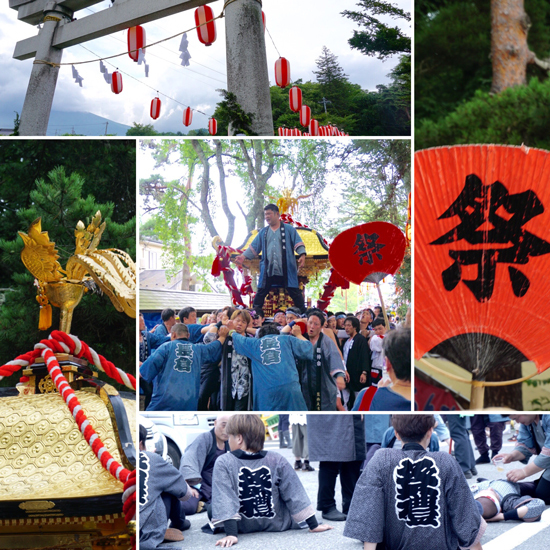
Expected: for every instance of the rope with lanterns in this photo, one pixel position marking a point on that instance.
(205, 25)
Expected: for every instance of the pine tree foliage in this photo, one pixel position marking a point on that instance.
(375, 37)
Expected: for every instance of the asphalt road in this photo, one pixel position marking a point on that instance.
(499, 536)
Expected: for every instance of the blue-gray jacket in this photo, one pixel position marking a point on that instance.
(175, 370)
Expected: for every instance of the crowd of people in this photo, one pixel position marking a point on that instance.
(236, 360)
(399, 491)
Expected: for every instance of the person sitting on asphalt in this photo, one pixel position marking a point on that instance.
(413, 499)
(197, 464)
(256, 490)
(161, 490)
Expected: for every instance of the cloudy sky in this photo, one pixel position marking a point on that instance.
(299, 30)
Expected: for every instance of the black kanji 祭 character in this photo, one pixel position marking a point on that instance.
(255, 493)
(367, 246)
(490, 215)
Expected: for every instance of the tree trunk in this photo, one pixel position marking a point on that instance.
(226, 210)
(509, 51)
(186, 269)
(205, 209)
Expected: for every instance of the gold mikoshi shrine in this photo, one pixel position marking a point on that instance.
(54, 492)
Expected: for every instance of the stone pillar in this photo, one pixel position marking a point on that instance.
(247, 73)
(40, 91)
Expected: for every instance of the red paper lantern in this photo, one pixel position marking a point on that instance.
(281, 131)
(116, 82)
(282, 72)
(155, 108)
(322, 131)
(206, 26)
(305, 115)
(263, 19)
(314, 127)
(295, 98)
(213, 126)
(136, 40)
(368, 251)
(187, 116)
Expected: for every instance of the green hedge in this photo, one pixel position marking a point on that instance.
(516, 116)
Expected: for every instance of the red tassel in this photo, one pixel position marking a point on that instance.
(216, 267)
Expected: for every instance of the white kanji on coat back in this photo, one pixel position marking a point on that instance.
(144, 469)
(417, 492)
(271, 350)
(184, 358)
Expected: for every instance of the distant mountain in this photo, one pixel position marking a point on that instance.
(87, 124)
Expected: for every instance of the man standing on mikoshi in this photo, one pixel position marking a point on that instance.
(278, 242)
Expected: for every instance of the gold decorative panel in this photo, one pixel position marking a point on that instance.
(43, 455)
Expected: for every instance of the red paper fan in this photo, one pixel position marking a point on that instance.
(368, 252)
(482, 248)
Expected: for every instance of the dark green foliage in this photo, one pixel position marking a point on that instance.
(16, 123)
(229, 112)
(64, 182)
(334, 83)
(515, 116)
(385, 112)
(375, 37)
(453, 47)
(142, 130)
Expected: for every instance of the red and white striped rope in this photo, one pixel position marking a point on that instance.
(60, 342)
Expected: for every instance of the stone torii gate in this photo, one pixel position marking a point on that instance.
(247, 75)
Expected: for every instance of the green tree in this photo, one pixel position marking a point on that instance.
(390, 109)
(142, 130)
(335, 86)
(16, 123)
(517, 116)
(375, 37)
(230, 114)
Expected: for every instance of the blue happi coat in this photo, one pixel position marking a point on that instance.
(175, 370)
(195, 334)
(276, 384)
(293, 241)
